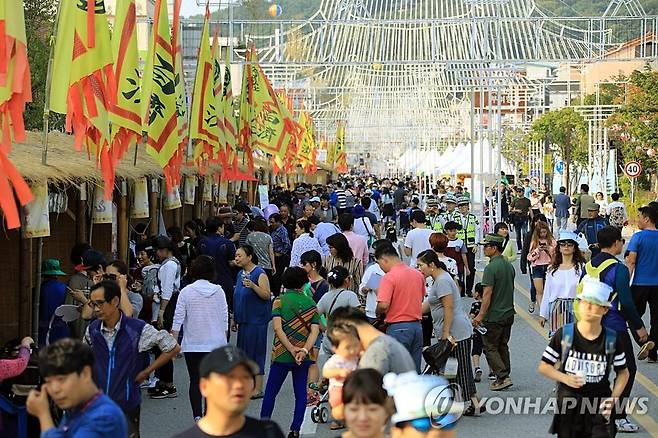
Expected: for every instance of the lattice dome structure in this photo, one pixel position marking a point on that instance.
(405, 73)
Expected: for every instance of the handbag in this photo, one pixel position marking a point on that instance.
(437, 355)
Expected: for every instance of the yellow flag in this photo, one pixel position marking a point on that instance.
(307, 143)
(125, 115)
(267, 125)
(331, 153)
(230, 123)
(340, 153)
(203, 115)
(181, 95)
(161, 122)
(218, 101)
(83, 62)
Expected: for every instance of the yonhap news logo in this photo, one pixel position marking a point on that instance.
(443, 405)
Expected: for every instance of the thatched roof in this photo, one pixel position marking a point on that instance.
(66, 165)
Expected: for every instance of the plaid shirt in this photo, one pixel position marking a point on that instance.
(281, 241)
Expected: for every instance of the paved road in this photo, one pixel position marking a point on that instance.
(164, 418)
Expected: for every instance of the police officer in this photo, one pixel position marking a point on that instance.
(470, 234)
(451, 214)
(432, 214)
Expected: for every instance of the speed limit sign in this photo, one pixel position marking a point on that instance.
(633, 169)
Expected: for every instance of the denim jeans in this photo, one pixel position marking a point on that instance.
(409, 334)
(278, 373)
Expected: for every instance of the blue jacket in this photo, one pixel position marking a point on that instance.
(589, 227)
(116, 368)
(562, 205)
(100, 417)
(623, 308)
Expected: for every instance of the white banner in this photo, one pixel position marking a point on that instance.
(37, 219)
(190, 189)
(140, 207)
(102, 208)
(172, 199)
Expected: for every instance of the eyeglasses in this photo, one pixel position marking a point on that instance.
(566, 244)
(109, 277)
(97, 304)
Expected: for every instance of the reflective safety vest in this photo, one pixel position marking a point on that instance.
(455, 216)
(434, 222)
(469, 229)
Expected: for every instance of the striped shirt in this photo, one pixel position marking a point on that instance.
(298, 313)
(341, 198)
(354, 267)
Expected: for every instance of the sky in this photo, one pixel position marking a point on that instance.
(190, 7)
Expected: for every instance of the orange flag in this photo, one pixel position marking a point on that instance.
(83, 62)
(15, 91)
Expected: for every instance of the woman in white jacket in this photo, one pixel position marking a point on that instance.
(562, 277)
(203, 310)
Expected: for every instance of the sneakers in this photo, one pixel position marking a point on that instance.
(499, 385)
(165, 392)
(472, 411)
(625, 426)
(293, 434)
(644, 350)
(155, 388)
(492, 376)
(531, 307)
(478, 374)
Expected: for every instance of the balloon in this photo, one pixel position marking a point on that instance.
(275, 10)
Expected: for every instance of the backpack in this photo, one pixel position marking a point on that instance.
(617, 217)
(610, 344)
(597, 273)
(150, 281)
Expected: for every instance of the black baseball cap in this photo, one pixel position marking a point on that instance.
(223, 359)
(163, 242)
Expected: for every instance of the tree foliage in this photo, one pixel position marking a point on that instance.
(635, 125)
(39, 22)
(566, 131)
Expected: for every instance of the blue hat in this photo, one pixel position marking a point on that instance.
(568, 236)
(358, 211)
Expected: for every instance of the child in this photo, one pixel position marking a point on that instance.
(346, 346)
(585, 352)
(457, 250)
(476, 351)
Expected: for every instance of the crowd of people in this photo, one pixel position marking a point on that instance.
(355, 282)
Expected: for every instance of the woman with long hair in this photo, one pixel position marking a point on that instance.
(541, 252)
(562, 277)
(252, 310)
(340, 254)
(502, 229)
(304, 241)
(203, 310)
(524, 263)
(450, 321)
(367, 405)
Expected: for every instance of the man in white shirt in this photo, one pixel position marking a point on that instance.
(615, 205)
(322, 231)
(371, 294)
(418, 239)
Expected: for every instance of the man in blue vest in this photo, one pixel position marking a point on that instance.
(118, 343)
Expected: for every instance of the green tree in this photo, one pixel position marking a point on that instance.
(565, 130)
(635, 125)
(515, 148)
(39, 22)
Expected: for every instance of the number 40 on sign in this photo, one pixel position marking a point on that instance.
(633, 169)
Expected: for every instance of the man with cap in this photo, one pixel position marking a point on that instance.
(168, 281)
(53, 294)
(591, 225)
(424, 405)
(451, 213)
(433, 217)
(519, 216)
(470, 234)
(622, 314)
(497, 310)
(579, 357)
(302, 200)
(87, 262)
(227, 382)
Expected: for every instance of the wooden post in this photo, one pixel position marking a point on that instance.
(81, 215)
(25, 297)
(122, 226)
(154, 198)
(198, 198)
(251, 191)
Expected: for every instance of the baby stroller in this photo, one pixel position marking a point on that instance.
(320, 411)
